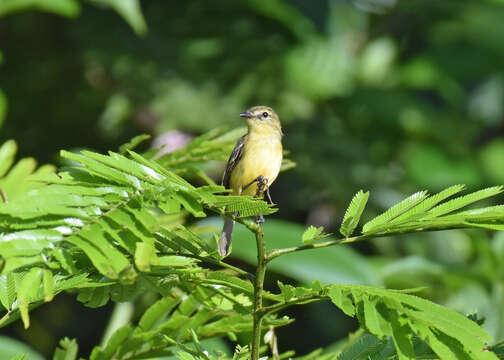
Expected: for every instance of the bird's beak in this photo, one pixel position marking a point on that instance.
(246, 114)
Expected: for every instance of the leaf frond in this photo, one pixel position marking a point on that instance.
(380, 221)
(353, 213)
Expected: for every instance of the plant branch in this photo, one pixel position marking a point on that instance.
(272, 254)
(299, 301)
(278, 252)
(258, 292)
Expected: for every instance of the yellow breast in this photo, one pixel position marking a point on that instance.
(262, 155)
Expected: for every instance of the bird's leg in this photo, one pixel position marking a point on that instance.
(262, 187)
(260, 180)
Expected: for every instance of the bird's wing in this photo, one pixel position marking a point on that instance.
(235, 157)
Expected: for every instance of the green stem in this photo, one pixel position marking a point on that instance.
(258, 292)
(303, 300)
(265, 294)
(278, 252)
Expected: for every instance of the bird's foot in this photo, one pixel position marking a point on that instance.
(259, 219)
(262, 186)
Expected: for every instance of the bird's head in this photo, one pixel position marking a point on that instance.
(263, 120)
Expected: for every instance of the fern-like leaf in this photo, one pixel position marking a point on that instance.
(463, 201)
(366, 347)
(394, 313)
(419, 210)
(382, 220)
(353, 213)
(245, 205)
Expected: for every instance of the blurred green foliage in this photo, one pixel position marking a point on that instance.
(387, 95)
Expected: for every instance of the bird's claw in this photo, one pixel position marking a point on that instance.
(259, 219)
(262, 185)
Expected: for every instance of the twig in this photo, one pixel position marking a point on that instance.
(277, 252)
(272, 254)
(303, 300)
(258, 292)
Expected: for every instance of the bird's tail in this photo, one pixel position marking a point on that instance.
(225, 236)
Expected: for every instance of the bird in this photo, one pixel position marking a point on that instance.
(254, 163)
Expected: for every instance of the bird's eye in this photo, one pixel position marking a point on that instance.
(265, 114)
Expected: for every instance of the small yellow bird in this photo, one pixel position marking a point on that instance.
(255, 161)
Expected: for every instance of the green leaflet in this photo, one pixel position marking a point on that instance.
(94, 297)
(312, 234)
(251, 209)
(353, 213)
(145, 256)
(286, 290)
(396, 314)
(7, 152)
(7, 290)
(169, 205)
(48, 285)
(28, 242)
(116, 340)
(175, 261)
(380, 221)
(173, 181)
(157, 312)
(231, 281)
(178, 241)
(367, 347)
(422, 212)
(190, 203)
(67, 350)
(463, 201)
(245, 205)
(107, 173)
(125, 165)
(64, 283)
(107, 259)
(15, 179)
(420, 209)
(133, 143)
(27, 292)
